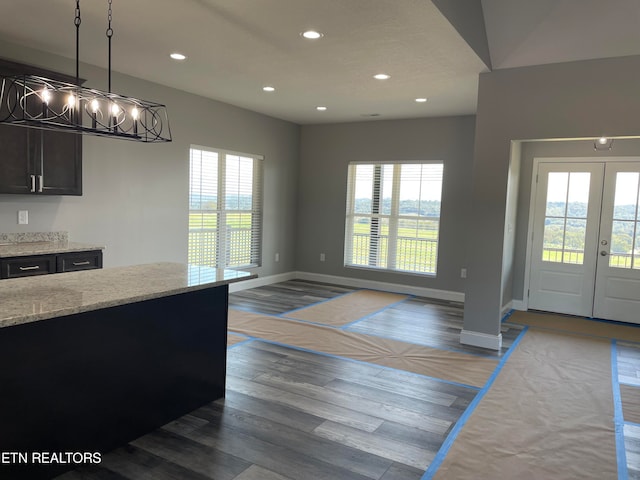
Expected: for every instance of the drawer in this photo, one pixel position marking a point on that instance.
(27, 266)
(72, 262)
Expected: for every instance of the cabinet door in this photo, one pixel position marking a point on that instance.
(60, 163)
(15, 168)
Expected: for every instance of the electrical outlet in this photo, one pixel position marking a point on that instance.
(463, 273)
(23, 217)
(322, 257)
(277, 257)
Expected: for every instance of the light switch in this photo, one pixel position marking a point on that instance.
(23, 217)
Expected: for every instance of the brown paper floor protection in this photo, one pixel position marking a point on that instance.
(548, 415)
(447, 365)
(233, 339)
(347, 308)
(576, 325)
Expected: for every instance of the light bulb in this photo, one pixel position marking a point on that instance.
(71, 100)
(95, 105)
(46, 96)
(311, 34)
(115, 109)
(135, 113)
(603, 140)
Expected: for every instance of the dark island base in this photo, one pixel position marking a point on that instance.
(93, 381)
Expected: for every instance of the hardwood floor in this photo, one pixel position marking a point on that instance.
(433, 323)
(284, 297)
(294, 414)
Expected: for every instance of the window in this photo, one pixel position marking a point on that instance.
(225, 208)
(393, 216)
(565, 221)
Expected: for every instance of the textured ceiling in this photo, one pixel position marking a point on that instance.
(236, 47)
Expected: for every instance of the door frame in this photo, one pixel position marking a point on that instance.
(532, 203)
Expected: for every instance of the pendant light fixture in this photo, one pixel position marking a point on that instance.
(43, 103)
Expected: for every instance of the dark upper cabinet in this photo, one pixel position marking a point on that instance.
(36, 161)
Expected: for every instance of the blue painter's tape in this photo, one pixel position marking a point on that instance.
(507, 315)
(447, 444)
(370, 364)
(621, 452)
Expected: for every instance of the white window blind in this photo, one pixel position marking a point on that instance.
(225, 208)
(393, 216)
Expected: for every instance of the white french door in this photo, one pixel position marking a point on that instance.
(617, 292)
(585, 255)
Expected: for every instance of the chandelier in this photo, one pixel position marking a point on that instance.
(38, 102)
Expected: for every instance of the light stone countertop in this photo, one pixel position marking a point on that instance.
(24, 249)
(30, 299)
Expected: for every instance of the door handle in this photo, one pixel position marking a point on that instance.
(40, 183)
(33, 183)
(603, 253)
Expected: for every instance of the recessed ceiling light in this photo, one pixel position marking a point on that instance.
(382, 76)
(312, 34)
(321, 109)
(421, 100)
(178, 56)
(269, 88)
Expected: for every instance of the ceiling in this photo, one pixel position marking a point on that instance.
(433, 49)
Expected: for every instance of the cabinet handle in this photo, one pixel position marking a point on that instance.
(35, 267)
(40, 183)
(33, 183)
(78, 264)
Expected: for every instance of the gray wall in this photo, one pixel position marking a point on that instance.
(584, 99)
(510, 225)
(326, 151)
(135, 198)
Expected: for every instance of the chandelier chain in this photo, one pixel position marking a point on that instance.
(109, 35)
(77, 21)
(109, 18)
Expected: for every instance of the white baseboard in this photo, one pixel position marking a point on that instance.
(261, 281)
(349, 282)
(518, 305)
(479, 339)
(384, 286)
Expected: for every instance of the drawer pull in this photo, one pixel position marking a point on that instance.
(35, 267)
(78, 264)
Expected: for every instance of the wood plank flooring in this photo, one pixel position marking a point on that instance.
(434, 323)
(629, 378)
(297, 415)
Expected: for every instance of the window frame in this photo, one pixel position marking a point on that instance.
(393, 218)
(223, 244)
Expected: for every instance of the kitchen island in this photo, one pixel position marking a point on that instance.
(91, 360)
